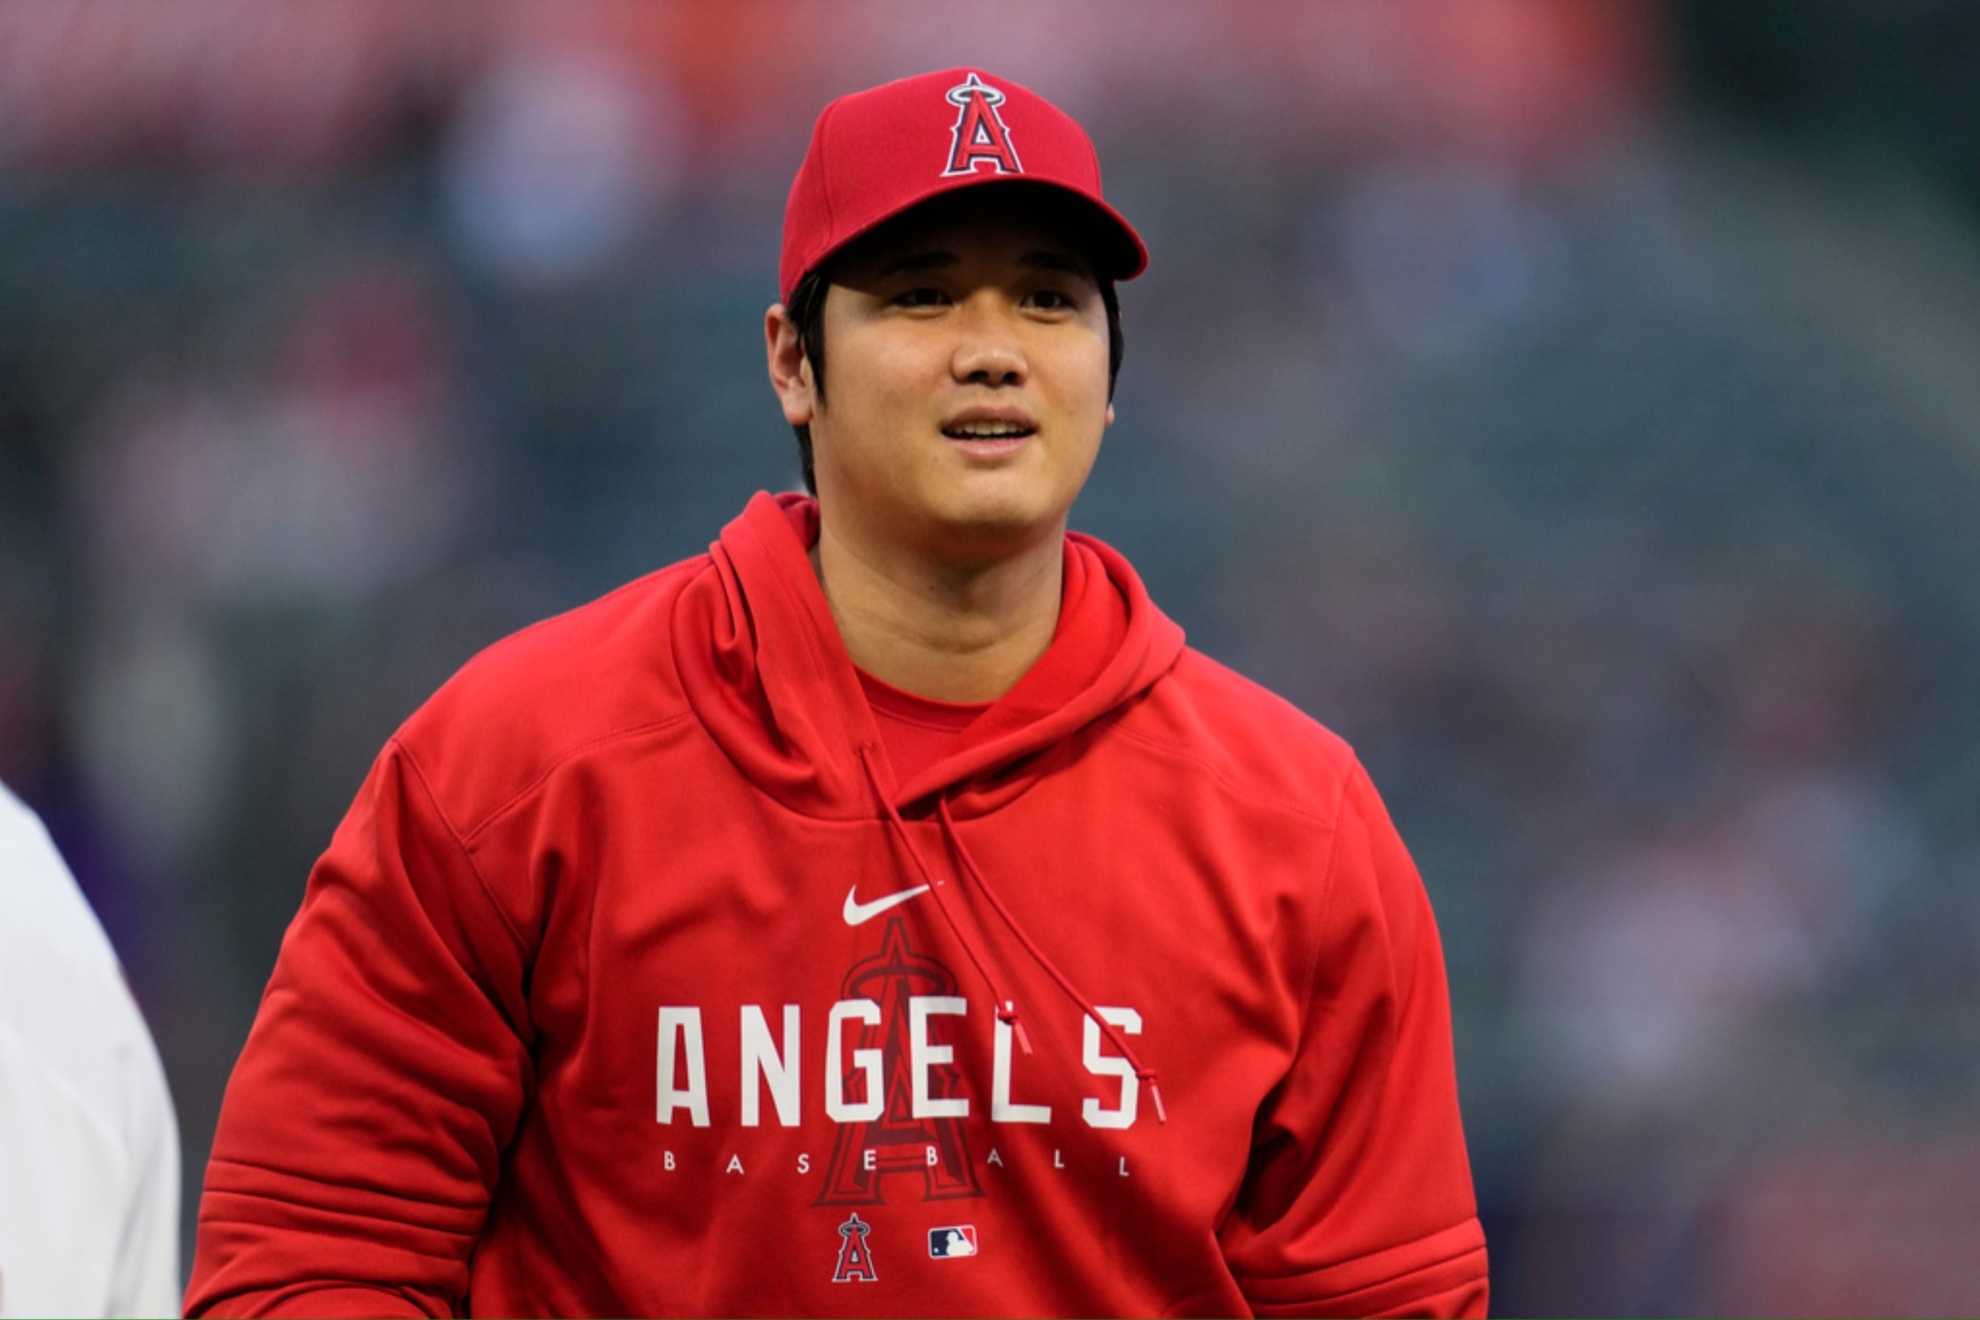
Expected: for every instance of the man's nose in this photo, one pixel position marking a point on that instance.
(990, 350)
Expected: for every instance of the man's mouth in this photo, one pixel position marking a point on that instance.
(987, 431)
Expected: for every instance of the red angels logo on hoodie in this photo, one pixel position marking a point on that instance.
(980, 135)
(901, 1132)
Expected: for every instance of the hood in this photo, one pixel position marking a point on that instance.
(762, 664)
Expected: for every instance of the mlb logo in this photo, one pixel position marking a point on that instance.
(950, 1243)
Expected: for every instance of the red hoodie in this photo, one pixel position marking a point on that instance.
(619, 992)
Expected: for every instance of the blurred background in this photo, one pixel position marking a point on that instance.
(1577, 406)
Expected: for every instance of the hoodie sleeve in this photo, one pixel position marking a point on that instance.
(361, 1135)
(1358, 1198)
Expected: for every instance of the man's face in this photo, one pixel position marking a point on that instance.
(966, 350)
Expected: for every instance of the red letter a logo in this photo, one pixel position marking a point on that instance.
(855, 1262)
(979, 134)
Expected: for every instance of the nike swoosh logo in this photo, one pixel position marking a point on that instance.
(858, 912)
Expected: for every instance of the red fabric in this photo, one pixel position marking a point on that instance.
(914, 730)
(524, 1050)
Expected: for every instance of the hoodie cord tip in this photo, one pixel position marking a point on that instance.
(1155, 1094)
(1009, 1014)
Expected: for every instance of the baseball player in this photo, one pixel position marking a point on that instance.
(884, 912)
(89, 1145)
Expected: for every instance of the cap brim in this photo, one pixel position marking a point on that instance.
(1117, 250)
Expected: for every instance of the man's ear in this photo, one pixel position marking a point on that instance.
(790, 370)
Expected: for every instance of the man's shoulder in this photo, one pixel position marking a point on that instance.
(591, 676)
(1249, 738)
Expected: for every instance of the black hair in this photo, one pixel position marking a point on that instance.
(807, 312)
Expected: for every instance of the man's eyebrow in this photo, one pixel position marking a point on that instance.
(915, 263)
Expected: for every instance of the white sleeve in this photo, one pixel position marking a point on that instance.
(89, 1147)
(146, 1278)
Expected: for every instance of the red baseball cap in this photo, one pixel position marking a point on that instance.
(878, 152)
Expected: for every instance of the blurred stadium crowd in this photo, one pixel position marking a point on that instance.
(1577, 407)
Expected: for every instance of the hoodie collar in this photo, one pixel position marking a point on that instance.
(762, 663)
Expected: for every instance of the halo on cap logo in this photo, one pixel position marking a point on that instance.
(980, 135)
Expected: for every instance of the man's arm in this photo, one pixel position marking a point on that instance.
(1358, 1200)
(361, 1136)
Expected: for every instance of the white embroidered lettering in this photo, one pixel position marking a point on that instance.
(1106, 1065)
(922, 1055)
(682, 1025)
(735, 1164)
(762, 1063)
(866, 1060)
(1001, 1108)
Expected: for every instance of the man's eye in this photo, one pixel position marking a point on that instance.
(921, 298)
(1053, 300)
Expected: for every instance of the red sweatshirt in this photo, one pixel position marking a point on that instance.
(635, 983)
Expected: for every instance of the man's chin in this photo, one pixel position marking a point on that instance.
(990, 531)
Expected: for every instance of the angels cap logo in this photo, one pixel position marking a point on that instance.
(855, 1261)
(980, 135)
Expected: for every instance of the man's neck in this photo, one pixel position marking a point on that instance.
(942, 631)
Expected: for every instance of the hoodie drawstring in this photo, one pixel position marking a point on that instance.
(1007, 1007)
(1114, 1037)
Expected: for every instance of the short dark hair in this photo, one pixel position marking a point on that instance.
(807, 312)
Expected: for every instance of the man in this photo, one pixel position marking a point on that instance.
(890, 877)
(89, 1146)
